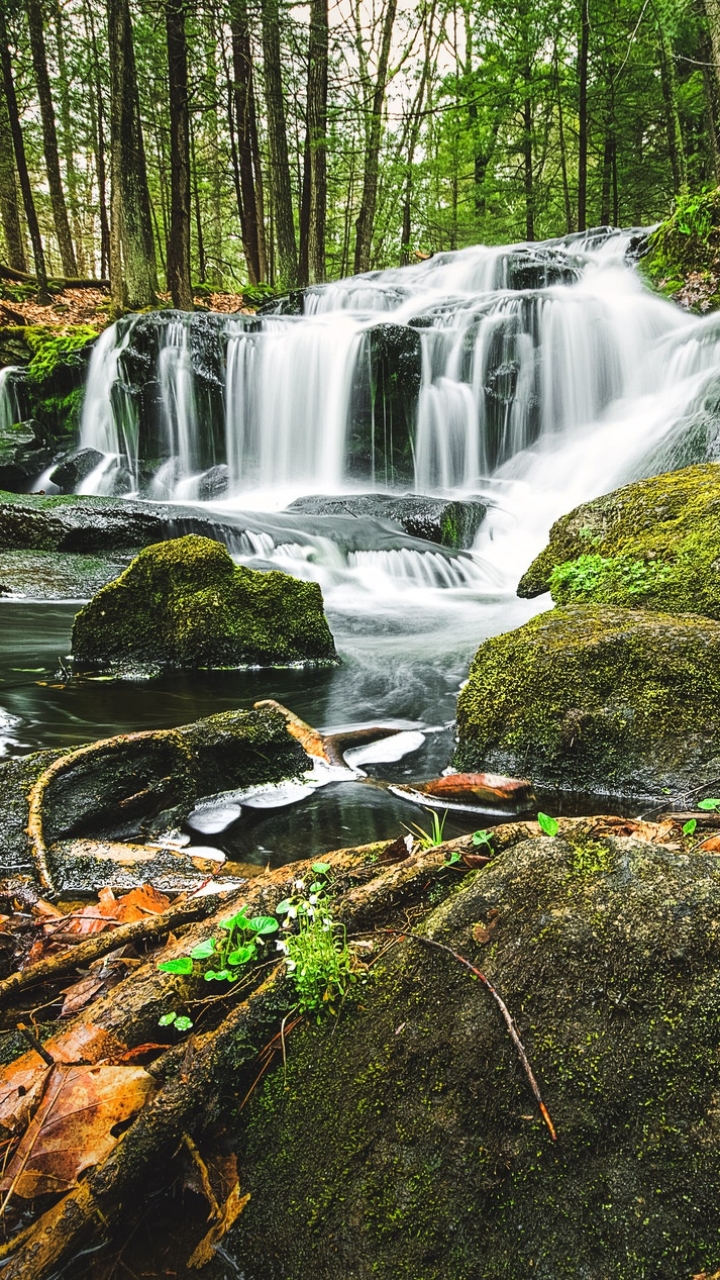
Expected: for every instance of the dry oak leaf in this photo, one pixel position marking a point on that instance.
(72, 1128)
(230, 1210)
(23, 1081)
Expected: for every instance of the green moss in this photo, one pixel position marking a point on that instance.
(185, 604)
(655, 543)
(51, 348)
(687, 244)
(596, 699)
(404, 1143)
(56, 372)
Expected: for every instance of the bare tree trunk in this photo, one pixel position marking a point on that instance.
(527, 150)
(668, 80)
(133, 271)
(178, 249)
(97, 117)
(50, 145)
(711, 90)
(242, 70)
(287, 264)
(317, 129)
(563, 149)
(366, 217)
(583, 114)
(21, 162)
(712, 10)
(9, 203)
(67, 146)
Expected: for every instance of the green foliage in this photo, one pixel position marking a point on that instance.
(606, 579)
(317, 956)
(690, 827)
(482, 838)
(177, 1020)
(550, 826)
(432, 838)
(51, 348)
(686, 244)
(231, 951)
(710, 806)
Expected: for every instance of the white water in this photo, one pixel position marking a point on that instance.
(538, 397)
(10, 409)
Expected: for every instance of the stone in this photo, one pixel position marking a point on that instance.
(449, 523)
(595, 699)
(214, 483)
(74, 468)
(184, 604)
(653, 544)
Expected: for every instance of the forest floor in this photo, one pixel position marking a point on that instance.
(91, 306)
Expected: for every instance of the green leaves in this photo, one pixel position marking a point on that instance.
(549, 825)
(262, 925)
(243, 954)
(482, 837)
(203, 950)
(690, 827)
(320, 867)
(283, 907)
(179, 1021)
(452, 858)
(182, 965)
(710, 806)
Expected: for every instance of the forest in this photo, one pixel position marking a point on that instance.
(172, 147)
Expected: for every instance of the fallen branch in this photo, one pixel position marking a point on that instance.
(101, 943)
(509, 1021)
(63, 764)
(65, 282)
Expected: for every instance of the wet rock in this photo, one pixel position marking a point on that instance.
(214, 483)
(74, 468)
(58, 575)
(447, 523)
(653, 544)
(136, 787)
(614, 701)
(184, 604)
(402, 1140)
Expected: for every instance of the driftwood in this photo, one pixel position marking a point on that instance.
(65, 282)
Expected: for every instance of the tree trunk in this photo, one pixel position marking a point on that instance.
(563, 148)
(97, 118)
(317, 92)
(668, 80)
(242, 69)
(133, 271)
(712, 10)
(366, 217)
(711, 91)
(583, 114)
(287, 263)
(9, 203)
(178, 249)
(21, 162)
(527, 150)
(50, 146)
(67, 146)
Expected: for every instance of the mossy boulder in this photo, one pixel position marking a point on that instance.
(653, 544)
(613, 701)
(402, 1142)
(185, 604)
(683, 258)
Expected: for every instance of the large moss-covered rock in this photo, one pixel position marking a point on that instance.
(683, 253)
(185, 604)
(616, 701)
(401, 1142)
(654, 544)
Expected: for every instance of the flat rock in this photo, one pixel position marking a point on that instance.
(449, 523)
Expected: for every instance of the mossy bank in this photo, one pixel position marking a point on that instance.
(612, 701)
(184, 604)
(653, 544)
(402, 1142)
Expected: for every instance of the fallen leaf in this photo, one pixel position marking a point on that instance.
(230, 1210)
(475, 859)
(398, 851)
(73, 1125)
(482, 933)
(711, 845)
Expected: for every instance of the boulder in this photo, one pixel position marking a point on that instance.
(74, 468)
(184, 604)
(613, 701)
(653, 544)
(401, 1141)
(448, 523)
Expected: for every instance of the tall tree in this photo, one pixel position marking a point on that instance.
(178, 249)
(366, 217)
(21, 161)
(277, 138)
(34, 12)
(315, 156)
(244, 112)
(68, 149)
(583, 61)
(9, 203)
(133, 270)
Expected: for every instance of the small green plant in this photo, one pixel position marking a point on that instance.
(432, 838)
(452, 858)
(690, 827)
(177, 1020)
(710, 806)
(482, 837)
(549, 825)
(230, 953)
(317, 956)
(606, 579)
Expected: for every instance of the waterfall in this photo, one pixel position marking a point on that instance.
(537, 374)
(12, 405)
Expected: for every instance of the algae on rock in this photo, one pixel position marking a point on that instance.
(401, 1141)
(653, 544)
(612, 701)
(184, 604)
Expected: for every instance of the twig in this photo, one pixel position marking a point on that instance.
(35, 1044)
(101, 943)
(509, 1022)
(203, 1175)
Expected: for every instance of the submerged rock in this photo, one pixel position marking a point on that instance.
(448, 523)
(185, 604)
(402, 1142)
(653, 544)
(616, 701)
(58, 575)
(74, 468)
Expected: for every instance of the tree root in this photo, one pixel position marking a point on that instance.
(63, 764)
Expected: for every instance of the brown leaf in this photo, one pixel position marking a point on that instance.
(398, 851)
(483, 932)
(475, 859)
(22, 1084)
(711, 845)
(231, 1209)
(72, 1128)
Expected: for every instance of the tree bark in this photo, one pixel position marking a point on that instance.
(9, 203)
(287, 259)
(583, 114)
(97, 118)
(712, 11)
(668, 80)
(34, 12)
(67, 145)
(366, 217)
(21, 162)
(242, 70)
(178, 249)
(527, 150)
(317, 92)
(133, 270)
